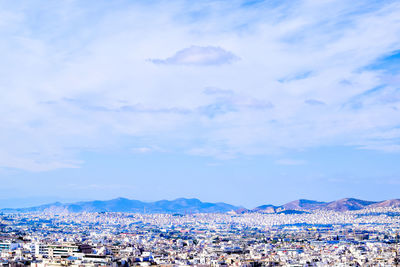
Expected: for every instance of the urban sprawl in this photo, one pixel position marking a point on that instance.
(368, 237)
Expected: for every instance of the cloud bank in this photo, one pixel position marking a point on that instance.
(76, 78)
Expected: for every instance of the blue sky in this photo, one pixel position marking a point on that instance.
(247, 102)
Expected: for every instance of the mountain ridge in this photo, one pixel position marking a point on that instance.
(179, 205)
(194, 205)
(344, 204)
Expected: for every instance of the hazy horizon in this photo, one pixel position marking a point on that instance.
(243, 102)
(37, 201)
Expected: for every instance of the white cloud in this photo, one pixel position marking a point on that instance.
(85, 83)
(142, 149)
(146, 149)
(314, 102)
(200, 56)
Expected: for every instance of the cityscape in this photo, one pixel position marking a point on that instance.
(295, 234)
(216, 133)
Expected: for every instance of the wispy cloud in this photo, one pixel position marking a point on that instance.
(314, 102)
(304, 77)
(146, 149)
(199, 56)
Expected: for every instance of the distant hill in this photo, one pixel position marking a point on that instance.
(180, 205)
(345, 204)
(304, 204)
(291, 207)
(266, 209)
(348, 204)
(395, 203)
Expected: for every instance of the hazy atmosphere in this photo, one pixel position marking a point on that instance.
(243, 102)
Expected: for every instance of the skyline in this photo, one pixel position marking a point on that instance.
(246, 102)
(194, 205)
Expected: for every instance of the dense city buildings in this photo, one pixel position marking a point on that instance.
(368, 237)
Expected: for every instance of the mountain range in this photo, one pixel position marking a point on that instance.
(344, 204)
(180, 205)
(192, 205)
